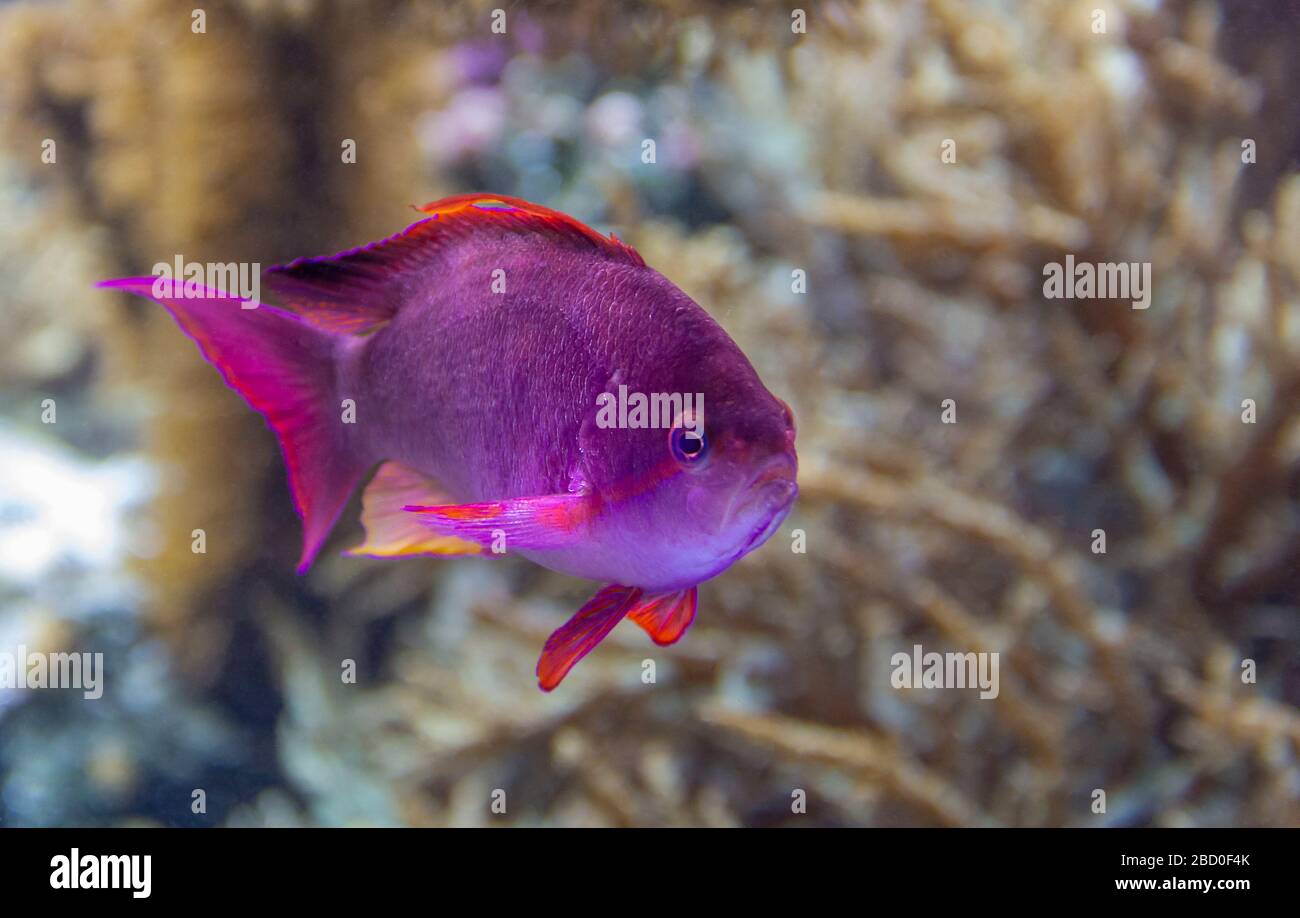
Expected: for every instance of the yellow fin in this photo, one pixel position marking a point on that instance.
(392, 532)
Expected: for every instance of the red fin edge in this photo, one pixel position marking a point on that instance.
(507, 211)
(667, 616)
(358, 290)
(579, 635)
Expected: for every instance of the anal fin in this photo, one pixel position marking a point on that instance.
(392, 532)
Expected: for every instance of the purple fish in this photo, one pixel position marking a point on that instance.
(524, 384)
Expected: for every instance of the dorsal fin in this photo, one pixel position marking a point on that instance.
(360, 289)
(472, 210)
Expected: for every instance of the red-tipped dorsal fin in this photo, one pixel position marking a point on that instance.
(579, 635)
(467, 211)
(359, 290)
(665, 617)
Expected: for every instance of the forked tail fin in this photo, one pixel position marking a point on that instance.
(285, 368)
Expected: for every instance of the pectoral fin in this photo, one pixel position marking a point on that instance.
(551, 521)
(391, 532)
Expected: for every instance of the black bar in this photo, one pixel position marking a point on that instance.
(236, 866)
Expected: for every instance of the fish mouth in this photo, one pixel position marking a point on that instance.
(769, 497)
(766, 529)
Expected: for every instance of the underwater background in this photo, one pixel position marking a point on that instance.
(780, 154)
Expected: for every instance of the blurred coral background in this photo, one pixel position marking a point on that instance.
(776, 151)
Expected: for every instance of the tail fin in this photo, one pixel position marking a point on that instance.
(284, 367)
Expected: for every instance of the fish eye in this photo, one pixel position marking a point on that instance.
(689, 445)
